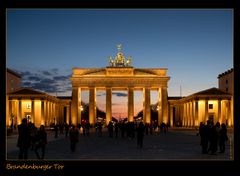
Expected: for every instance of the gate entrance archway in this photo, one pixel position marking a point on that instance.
(120, 75)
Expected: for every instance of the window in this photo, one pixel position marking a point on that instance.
(210, 106)
(226, 81)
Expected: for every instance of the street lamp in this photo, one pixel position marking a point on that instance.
(81, 108)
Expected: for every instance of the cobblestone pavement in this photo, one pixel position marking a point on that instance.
(177, 144)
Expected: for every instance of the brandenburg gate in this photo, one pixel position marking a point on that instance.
(119, 75)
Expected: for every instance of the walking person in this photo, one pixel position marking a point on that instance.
(23, 142)
(140, 134)
(41, 141)
(74, 134)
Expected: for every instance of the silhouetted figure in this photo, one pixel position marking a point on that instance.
(66, 130)
(110, 129)
(203, 132)
(87, 128)
(33, 133)
(140, 134)
(56, 130)
(41, 141)
(99, 129)
(23, 139)
(213, 137)
(116, 129)
(222, 138)
(74, 134)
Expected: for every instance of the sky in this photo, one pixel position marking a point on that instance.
(195, 45)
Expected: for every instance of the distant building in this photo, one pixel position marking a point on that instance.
(225, 81)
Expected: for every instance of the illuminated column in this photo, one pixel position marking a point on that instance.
(47, 115)
(8, 112)
(219, 111)
(232, 114)
(165, 104)
(67, 115)
(32, 110)
(92, 105)
(196, 118)
(206, 110)
(19, 111)
(130, 104)
(228, 117)
(54, 112)
(187, 113)
(108, 104)
(160, 117)
(171, 115)
(146, 107)
(192, 114)
(42, 112)
(184, 114)
(76, 98)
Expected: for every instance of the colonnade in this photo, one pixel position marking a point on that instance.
(41, 111)
(162, 104)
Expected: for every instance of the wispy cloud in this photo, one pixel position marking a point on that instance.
(49, 81)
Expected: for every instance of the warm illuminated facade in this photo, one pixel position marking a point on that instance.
(211, 104)
(38, 107)
(119, 76)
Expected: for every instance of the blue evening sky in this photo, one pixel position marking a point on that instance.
(45, 44)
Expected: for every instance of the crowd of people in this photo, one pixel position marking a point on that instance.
(212, 136)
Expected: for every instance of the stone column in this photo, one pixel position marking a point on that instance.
(108, 104)
(192, 114)
(228, 117)
(160, 117)
(92, 105)
(67, 115)
(42, 112)
(76, 116)
(146, 107)
(130, 104)
(9, 112)
(47, 113)
(219, 111)
(32, 110)
(187, 112)
(196, 113)
(165, 104)
(171, 115)
(206, 110)
(20, 111)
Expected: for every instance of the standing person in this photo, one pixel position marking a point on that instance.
(23, 142)
(140, 134)
(110, 129)
(222, 138)
(41, 141)
(74, 134)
